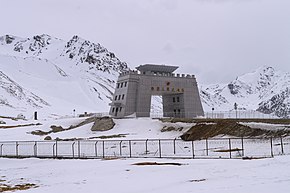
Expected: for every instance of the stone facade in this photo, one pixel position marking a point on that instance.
(134, 90)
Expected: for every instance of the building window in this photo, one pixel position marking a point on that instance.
(174, 111)
(113, 109)
(152, 88)
(178, 111)
(174, 99)
(157, 88)
(177, 99)
(120, 109)
(116, 98)
(118, 85)
(125, 84)
(123, 96)
(122, 85)
(168, 89)
(119, 97)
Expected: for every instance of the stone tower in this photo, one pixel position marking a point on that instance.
(134, 90)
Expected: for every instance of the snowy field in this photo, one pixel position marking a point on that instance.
(140, 128)
(121, 176)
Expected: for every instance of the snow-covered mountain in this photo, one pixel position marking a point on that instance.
(50, 75)
(56, 76)
(265, 90)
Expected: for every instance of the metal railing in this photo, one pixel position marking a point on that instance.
(149, 148)
(240, 114)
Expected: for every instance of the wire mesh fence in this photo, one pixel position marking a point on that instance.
(149, 148)
(239, 114)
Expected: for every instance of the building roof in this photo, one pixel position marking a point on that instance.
(156, 68)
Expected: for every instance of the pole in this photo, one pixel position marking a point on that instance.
(192, 148)
(282, 148)
(53, 153)
(73, 149)
(35, 149)
(103, 149)
(206, 146)
(130, 148)
(1, 149)
(121, 148)
(230, 148)
(16, 149)
(146, 146)
(271, 142)
(79, 148)
(243, 153)
(174, 151)
(96, 148)
(159, 148)
(55, 148)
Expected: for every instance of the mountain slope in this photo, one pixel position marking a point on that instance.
(265, 90)
(76, 74)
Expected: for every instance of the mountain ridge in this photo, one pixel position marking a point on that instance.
(82, 75)
(78, 67)
(265, 90)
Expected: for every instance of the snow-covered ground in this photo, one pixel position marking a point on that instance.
(140, 128)
(121, 176)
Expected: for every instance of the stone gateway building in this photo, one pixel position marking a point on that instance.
(135, 88)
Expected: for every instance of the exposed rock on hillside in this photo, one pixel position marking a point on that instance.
(265, 90)
(103, 124)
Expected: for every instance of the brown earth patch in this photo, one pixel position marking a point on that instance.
(199, 180)
(6, 188)
(228, 150)
(209, 128)
(156, 163)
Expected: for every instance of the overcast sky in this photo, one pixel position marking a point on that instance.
(215, 39)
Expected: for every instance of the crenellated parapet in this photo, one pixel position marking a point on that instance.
(174, 75)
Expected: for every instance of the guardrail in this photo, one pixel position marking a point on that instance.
(149, 148)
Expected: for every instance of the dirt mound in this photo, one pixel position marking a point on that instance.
(103, 124)
(210, 128)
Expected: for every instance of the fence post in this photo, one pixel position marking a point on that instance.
(1, 149)
(206, 147)
(73, 149)
(282, 148)
(146, 146)
(242, 147)
(55, 148)
(174, 149)
(159, 142)
(96, 148)
(120, 148)
(230, 148)
(17, 149)
(35, 149)
(271, 142)
(130, 149)
(53, 153)
(103, 149)
(192, 148)
(79, 148)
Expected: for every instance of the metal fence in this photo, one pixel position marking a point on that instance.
(240, 114)
(150, 148)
